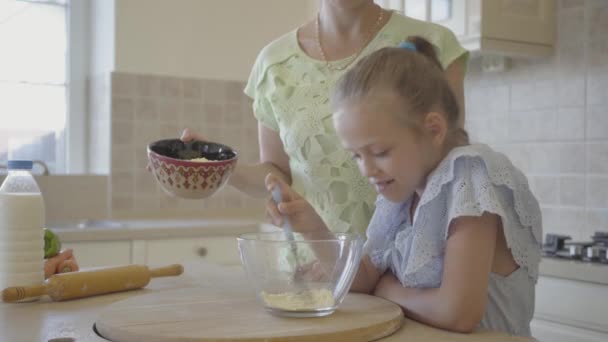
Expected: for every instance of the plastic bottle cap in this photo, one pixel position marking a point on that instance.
(20, 164)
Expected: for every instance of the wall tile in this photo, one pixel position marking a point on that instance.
(555, 118)
(191, 113)
(488, 101)
(597, 220)
(533, 95)
(122, 132)
(553, 222)
(213, 113)
(533, 125)
(123, 84)
(145, 183)
(598, 23)
(234, 91)
(123, 158)
(122, 108)
(233, 116)
(597, 192)
(122, 202)
(122, 182)
(147, 203)
(170, 111)
(170, 131)
(146, 109)
(565, 4)
(214, 92)
(546, 189)
(573, 222)
(570, 124)
(488, 130)
(571, 27)
(597, 158)
(145, 133)
(597, 122)
(171, 88)
(544, 158)
(572, 191)
(597, 88)
(192, 89)
(147, 85)
(572, 158)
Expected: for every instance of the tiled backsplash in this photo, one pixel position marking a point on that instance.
(145, 108)
(550, 116)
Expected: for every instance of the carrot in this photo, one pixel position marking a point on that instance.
(69, 265)
(51, 264)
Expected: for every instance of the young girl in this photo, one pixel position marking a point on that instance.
(456, 234)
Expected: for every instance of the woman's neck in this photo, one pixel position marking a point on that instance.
(347, 23)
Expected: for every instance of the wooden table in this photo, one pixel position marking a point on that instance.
(73, 320)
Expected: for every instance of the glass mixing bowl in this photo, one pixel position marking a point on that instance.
(308, 276)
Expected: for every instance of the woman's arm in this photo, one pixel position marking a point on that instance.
(249, 178)
(459, 303)
(455, 73)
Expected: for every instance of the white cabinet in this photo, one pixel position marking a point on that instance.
(100, 253)
(570, 311)
(502, 27)
(218, 249)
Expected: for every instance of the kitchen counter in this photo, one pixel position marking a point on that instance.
(234, 225)
(574, 270)
(73, 320)
(144, 229)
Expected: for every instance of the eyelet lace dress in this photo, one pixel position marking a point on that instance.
(471, 180)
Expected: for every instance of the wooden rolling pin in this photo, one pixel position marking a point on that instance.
(81, 284)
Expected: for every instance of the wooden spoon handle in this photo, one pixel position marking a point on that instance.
(167, 271)
(14, 294)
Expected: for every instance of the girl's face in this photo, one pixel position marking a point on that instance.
(395, 159)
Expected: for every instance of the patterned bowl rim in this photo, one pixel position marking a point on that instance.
(187, 163)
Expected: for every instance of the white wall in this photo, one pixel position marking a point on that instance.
(217, 39)
(102, 33)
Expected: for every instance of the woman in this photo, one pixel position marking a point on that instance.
(290, 85)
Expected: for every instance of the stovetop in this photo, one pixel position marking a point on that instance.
(562, 246)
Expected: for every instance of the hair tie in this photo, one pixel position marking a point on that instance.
(408, 46)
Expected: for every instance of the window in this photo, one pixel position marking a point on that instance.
(35, 73)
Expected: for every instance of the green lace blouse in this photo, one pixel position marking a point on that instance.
(290, 92)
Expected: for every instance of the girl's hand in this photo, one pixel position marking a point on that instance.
(301, 215)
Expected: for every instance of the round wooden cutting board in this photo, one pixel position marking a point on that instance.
(196, 314)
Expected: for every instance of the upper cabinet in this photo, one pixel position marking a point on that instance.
(500, 27)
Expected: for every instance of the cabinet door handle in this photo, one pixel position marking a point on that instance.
(201, 251)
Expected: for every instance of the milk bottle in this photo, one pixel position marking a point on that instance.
(21, 227)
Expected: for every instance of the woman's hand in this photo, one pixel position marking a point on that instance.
(189, 135)
(301, 215)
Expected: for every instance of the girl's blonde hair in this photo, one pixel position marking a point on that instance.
(417, 77)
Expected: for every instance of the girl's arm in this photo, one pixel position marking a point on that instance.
(366, 278)
(459, 303)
